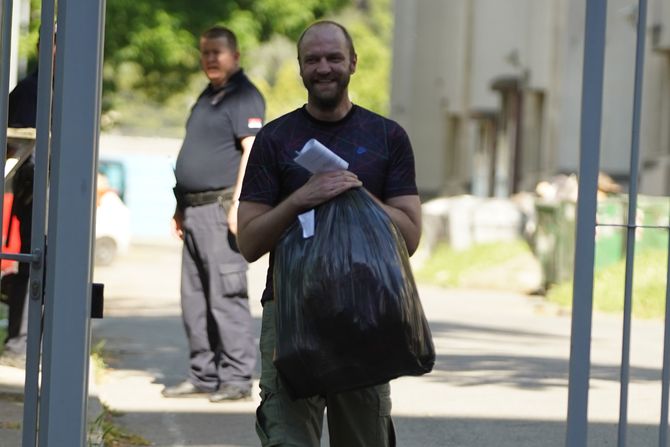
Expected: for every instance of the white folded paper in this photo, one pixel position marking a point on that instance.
(316, 158)
(306, 220)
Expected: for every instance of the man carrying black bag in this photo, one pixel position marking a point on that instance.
(276, 190)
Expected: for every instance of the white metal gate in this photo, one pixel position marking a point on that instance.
(68, 112)
(582, 312)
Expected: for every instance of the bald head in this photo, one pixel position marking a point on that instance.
(327, 60)
(327, 23)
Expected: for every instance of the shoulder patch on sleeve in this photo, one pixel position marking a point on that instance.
(255, 123)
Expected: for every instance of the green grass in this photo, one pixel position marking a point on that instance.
(649, 277)
(105, 431)
(447, 267)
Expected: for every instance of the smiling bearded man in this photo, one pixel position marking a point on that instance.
(276, 190)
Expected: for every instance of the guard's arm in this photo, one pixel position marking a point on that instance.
(246, 144)
(178, 223)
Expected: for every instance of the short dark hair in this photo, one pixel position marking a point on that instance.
(221, 32)
(347, 36)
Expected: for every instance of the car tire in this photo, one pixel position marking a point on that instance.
(105, 251)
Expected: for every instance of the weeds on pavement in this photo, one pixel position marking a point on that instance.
(106, 433)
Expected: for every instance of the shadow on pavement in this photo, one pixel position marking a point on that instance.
(520, 371)
(11, 414)
(153, 344)
(423, 431)
(157, 345)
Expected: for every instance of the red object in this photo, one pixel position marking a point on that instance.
(8, 266)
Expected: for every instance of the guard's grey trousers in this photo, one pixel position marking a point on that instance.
(215, 303)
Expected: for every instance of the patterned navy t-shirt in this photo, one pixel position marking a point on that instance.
(377, 149)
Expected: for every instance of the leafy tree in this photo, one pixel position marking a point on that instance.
(151, 66)
(370, 84)
(161, 36)
(370, 26)
(29, 39)
(274, 69)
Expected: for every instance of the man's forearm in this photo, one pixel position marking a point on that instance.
(259, 234)
(405, 212)
(410, 230)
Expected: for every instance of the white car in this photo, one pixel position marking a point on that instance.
(112, 221)
(112, 217)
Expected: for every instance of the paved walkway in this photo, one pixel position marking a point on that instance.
(500, 377)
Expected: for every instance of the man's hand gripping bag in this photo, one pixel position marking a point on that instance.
(347, 309)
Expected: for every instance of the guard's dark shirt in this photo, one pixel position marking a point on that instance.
(377, 149)
(23, 103)
(210, 155)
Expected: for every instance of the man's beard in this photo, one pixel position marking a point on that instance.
(329, 100)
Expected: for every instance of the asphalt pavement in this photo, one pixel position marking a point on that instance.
(500, 379)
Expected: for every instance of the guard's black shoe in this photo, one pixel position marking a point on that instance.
(229, 393)
(184, 389)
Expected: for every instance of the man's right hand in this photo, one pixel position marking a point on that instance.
(177, 222)
(322, 187)
(260, 226)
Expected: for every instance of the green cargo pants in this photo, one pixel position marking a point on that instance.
(359, 418)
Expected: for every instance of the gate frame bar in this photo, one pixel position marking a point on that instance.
(589, 162)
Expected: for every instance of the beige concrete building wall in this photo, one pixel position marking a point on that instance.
(655, 128)
(499, 82)
(566, 93)
(426, 83)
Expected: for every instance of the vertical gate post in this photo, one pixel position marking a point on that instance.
(631, 224)
(589, 161)
(37, 242)
(665, 373)
(74, 145)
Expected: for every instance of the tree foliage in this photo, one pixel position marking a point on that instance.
(151, 68)
(160, 36)
(371, 31)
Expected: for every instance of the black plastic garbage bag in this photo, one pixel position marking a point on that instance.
(348, 313)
